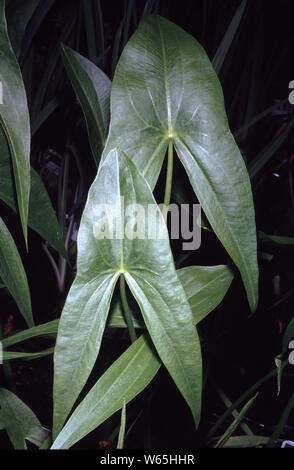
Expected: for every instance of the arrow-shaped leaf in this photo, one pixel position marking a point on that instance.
(148, 267)
(166, 88)
(14, 118)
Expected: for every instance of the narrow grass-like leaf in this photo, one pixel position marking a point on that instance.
(228, 38)
(269, 151)
(258, 117)
(280, 240)
(122, 429)
(166, 85)
(242, 398)
(13, 274)
(228, 403)
(282, 422)
(51, 65)
(126, 377)
(227, 434)
(14, 118)
(36, 331)
(20, 422)
(90, 28)
(92, 87)
(40, 13)
(10, 355)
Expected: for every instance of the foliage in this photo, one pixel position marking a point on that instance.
(165, 99)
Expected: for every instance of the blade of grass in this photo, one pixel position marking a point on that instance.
(228, 38)
(127, 20)
(100, 32)
(50, 67)
(227, 434)
(33, 26)
(258, 117)
(269, 151)
(35, 331)
(242, 398)
(235, 414)
(122, 430)
(116, 47)
(10, 355)
(90, 29)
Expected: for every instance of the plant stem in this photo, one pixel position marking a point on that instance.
(126, 309)
(169, 178)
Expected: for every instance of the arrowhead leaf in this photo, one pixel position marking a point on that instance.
(166, 87)
(14, 119)
(148, 267)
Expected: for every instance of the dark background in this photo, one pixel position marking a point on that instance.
(239, 349)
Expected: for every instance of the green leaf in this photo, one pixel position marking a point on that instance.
(280, 240)
(242, 442)
(40, 330)
(92, 87)
(10, 355)
(42, 217)
(165, 85)
(269, 151)
(14, 118)
(258, 117)
(282, 422)
(126, 377)
(18, 13)
(148, 267)
(122, 429)
(205, 287)
(20, 422)
(227, 434)
(13, 274)
(243, 397)
(116, 316)
(228, 38)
